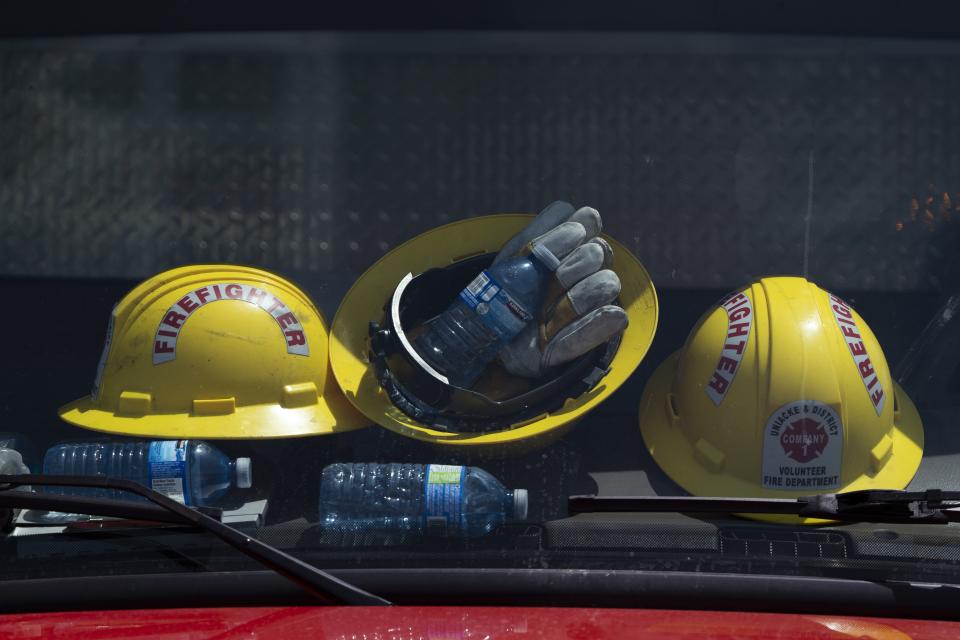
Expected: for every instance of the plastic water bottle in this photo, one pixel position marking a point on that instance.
(189, 471)
(489, 313)
(434, 499)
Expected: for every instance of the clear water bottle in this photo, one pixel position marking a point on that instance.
(489, 313)
(189, 471)
(434, 499)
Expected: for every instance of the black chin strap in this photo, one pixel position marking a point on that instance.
(435, 415)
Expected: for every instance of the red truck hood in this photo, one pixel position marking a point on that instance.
(455, 623)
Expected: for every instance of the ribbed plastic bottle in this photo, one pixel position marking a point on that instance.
(434, 499)
(489, 313)
(189, 471)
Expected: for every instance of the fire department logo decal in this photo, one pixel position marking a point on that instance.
(802, 447)
(804, 439)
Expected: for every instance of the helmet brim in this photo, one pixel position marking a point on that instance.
(330, 415)
(674, 453)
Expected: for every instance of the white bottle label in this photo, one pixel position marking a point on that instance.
(168, 469)
(495, 307)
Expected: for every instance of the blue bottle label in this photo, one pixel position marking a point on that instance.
(167, 468)
(496, 308)
(444, 493)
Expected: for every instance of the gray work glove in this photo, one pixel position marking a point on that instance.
(11, 462)
(577, 314)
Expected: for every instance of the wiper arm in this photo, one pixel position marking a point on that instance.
(320, 583)
(932, 506)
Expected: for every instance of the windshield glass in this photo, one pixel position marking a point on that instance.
(743, 283)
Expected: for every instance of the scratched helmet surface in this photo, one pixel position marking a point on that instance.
(781, 390)
(215, 351)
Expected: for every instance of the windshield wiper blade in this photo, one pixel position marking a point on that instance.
(318, 582)
(90, 506)
(932, 506)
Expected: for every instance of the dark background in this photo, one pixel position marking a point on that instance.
(925, 18)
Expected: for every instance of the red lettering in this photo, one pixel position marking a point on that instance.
(734, 307)
(838, 300)
(202, 295)
(174, 319)
(276, 305)
(254, 295)
(233, 291)
(736, 346)
(734, 300)
(739, 329)
(866, 369)
(877, 397)
(857, 349)
(850, 332)
(739, 314)
(169, 334)
(161, 346)
(843, 311)
(872, 383)
(216, 291)
(294, 338)
(287, 319)
(728, 364)
(187, 304)
(718, 383)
